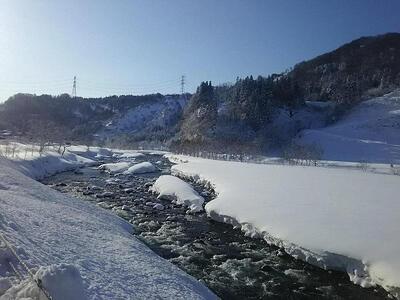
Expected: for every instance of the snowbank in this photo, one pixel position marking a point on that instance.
(67, 242)
(33, 164)
(113, 168)
(172, 188)
(140, 168)
(333, 218)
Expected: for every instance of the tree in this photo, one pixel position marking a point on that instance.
(200, 116)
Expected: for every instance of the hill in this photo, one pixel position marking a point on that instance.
(368, 66)
(256, 115)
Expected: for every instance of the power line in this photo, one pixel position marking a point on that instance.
(132, 87)
(59, 86)
(27, 82)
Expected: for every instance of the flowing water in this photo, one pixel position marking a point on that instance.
(230, 264)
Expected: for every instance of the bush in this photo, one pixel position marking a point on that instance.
(395, 169)
(363, 165)
(303, 154)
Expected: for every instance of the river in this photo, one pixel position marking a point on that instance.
(230, 264)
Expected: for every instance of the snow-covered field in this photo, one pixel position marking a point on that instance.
(330, 217)
(77, 250)
(369, 133)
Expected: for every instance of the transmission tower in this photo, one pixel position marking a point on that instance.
(73, 95)
(183, 84)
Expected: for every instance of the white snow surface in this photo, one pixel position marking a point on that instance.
(91, 152)
(368, 133)
(333, 218)
(141, 168)
(35, 165)
(63, 282)
(131, 155)
(113, 168)
(68, 242)
(174, 189)
(158, 114)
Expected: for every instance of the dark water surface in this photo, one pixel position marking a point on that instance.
(230, 264)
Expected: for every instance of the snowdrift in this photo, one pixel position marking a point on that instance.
(114, 168)
(333, 218)
(174, 189)
(77, 249)
(62, 282)
(141, 168)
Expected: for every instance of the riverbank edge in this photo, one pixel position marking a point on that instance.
(357, 269)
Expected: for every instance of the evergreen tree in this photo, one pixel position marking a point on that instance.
(200, 116)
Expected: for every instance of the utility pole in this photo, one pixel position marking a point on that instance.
(73, 95)
(183, 84)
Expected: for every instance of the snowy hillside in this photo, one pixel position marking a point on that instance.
(162, 114)
(301, 209)
(77, 250)
(370, 132)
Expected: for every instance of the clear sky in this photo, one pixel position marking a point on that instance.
(144, 46)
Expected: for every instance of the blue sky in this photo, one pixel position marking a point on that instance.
(124, 47)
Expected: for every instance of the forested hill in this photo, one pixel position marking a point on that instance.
(253, 114)
(365, 67)
(82, 119)
(272, 110)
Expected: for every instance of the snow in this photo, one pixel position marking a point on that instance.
(368, 133)
(68, 242)
(62, 281)
(90, 152)
(158, 206)
(174, 189)
(114, 168)
(106, 152)
(286, 126)
(147, 116)
(140, 168)
(131, 155)
(320, 104)
(333, 218)
(30, 162)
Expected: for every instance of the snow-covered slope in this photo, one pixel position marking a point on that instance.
(75, 246)
(370, 133)
(161, 114)
(333, 218)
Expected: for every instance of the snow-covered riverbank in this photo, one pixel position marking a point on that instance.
(78, 250)
(334, 218)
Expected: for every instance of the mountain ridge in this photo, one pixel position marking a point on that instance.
(251, 115)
